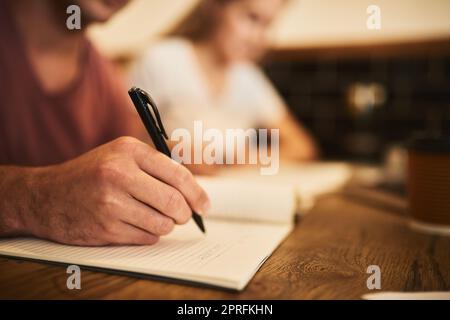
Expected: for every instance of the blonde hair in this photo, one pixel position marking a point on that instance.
(198, 22)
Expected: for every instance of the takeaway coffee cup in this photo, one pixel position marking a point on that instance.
(429, 184)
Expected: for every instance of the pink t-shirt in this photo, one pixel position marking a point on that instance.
(38, 128)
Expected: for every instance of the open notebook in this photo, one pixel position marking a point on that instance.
(309, 180)
(227, 256)
(249, 218)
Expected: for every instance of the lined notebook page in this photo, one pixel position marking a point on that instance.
(228, 256)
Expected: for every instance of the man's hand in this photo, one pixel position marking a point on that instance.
(124, 192)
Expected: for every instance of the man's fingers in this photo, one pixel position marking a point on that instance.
(162, 197)
(128, 234)
(174, 174)
(147, 219)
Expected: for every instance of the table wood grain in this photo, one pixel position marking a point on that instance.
(325, 257)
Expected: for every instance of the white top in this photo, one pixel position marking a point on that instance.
(170, 72)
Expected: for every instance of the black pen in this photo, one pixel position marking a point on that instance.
(155, 129)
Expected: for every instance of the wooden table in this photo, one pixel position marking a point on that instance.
(325, 257)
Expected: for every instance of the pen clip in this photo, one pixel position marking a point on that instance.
(149, 100)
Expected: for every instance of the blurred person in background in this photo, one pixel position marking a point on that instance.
(65, 175)
(206, 70)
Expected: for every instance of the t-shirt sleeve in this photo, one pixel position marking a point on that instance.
(268, 106)
(164, 71)
(150, 74)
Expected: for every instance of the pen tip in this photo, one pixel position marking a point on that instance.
(199, 221)
(201, 226)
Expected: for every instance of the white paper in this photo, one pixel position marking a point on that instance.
(228, 255)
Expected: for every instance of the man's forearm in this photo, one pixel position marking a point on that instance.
(16, 198)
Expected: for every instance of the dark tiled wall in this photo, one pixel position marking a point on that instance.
(416, 98)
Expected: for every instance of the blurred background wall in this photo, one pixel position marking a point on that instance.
(303, 24)
(359, 91)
